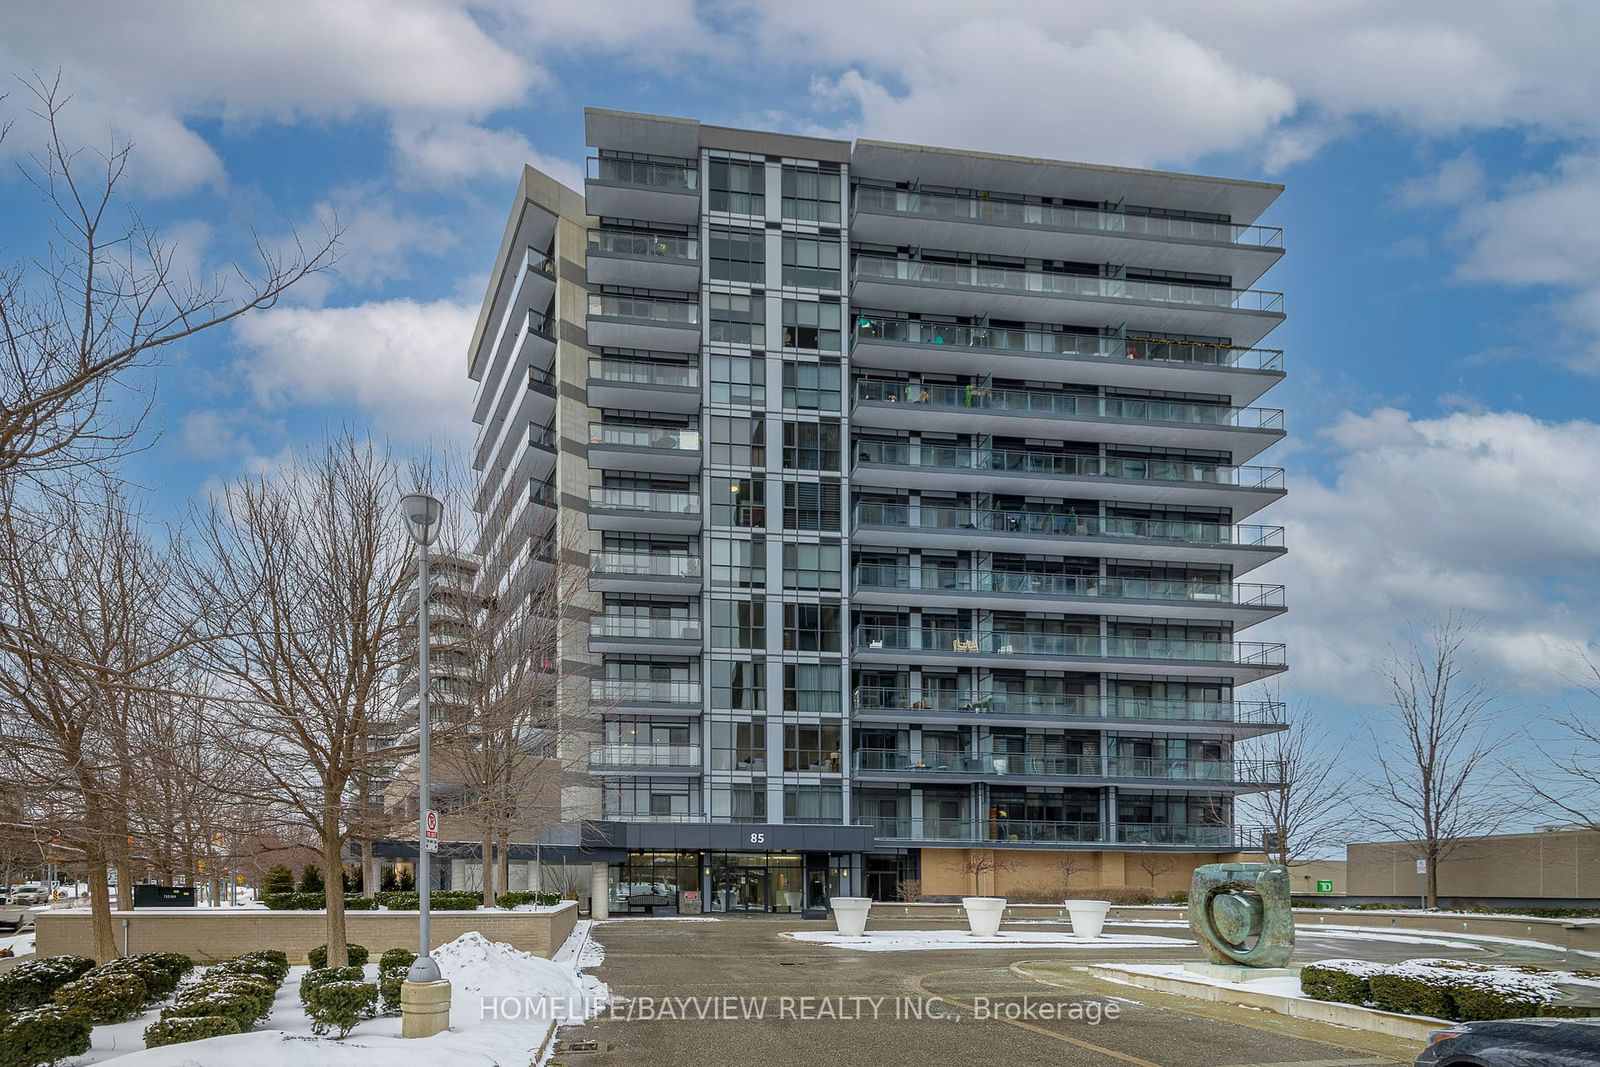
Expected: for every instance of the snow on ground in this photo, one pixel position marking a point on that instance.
(20, 944)
(926, 940)
(660, 919)
(1286, 986)
(504, 1004)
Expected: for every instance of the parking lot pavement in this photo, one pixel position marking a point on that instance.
(736, 992)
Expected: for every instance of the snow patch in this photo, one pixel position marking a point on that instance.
(927, 940)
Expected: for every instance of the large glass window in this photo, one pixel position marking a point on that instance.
(811, 386)
(810, 324)
(738, 563)
(811, 567)
(811, 195)
(738, 380)
(739, 746)
(738, 255)
(811, 262)
(740, 502)
(811, 505)
(739, 685)
(737, 186)
(811, 627)
(651, 798)
(738, 442)
(737, 318)
(740, 802)
(813, 803)
(811, 446)
(739, 623)
(811, 687)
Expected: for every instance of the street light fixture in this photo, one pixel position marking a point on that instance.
(424, 515)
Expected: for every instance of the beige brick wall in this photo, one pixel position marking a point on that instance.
(945, 871)
(205, 936)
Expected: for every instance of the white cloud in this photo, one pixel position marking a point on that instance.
(1457, 181)
(401, 362)
(450, 152)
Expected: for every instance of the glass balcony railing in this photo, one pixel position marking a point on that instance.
(644, 565)
(1233, 772)
(1059, 343)
(1129, 833)
(660, 438)
(542, 324)
(1030, 830)
(634, 754)
(542, 437)
(645, 372)
(538, 263)
(1065, 705)
(616, 692)
(644, 245)
(1054, 402)
(1242, 594)
(647, 174)
(1043, 283)
(1054, 522)
(991, 764)
(959, 208)
(644, 628)
(1092, 646)
(1066, 464)
(644, 309)
(649, 501)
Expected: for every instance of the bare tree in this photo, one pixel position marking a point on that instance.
(1155, 864)
(1568, 786)
(980, 863)
(303, 571)
(103, 299)
(1307, 811)
(1070, 864)
(1434, 748)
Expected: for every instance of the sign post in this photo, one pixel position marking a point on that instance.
(1422, 871)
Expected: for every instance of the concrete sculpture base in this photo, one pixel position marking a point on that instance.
(424, 1008)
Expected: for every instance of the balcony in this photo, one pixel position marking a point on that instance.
(644, 572)
(532, 347)
(976, 408)
(530, 456)
(661, 324)
(534, 404)
(1091, 770)
(643, 635)
(1240, 603)
(1145, 480)
(886, 342)
(644, 260)
(644, 510)
(660, 449)
(1035, 832)
(1244, 315)
(1054, 532)
(1079, 711)
(644, 698)
(612, 757)
(1238, 661)
(642, 189)
(1053, 231)
(644, 385)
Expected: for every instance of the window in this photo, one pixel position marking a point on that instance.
(651, 798)
(811, 446)
(811, 687)
(738, 564)
(737, 319)
(740, 803)
(739, 256)
(813, 804)
(739, 380)
(738, 442)
(811, 567)
(740, 502)
(811, 195)
(738, 685)
(739, 624)
(739, 746)
(811, 505)
(737, 187)
(808, 324)
(811, 627)
(812, 262)
(811, 386)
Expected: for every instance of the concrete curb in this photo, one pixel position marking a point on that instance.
(1406, 1027)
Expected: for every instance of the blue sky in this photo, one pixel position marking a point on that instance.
(1442, 220)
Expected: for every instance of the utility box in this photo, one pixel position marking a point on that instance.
(163, 896)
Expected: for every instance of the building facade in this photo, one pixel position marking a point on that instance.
(913, 487)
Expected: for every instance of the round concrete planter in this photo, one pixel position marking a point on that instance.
(791, 900)
(850, 914)
(1088, 917)
(983, 914)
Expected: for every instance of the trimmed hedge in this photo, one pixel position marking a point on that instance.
(313, 902)
(511, 900)
(159, 971)
(340, 1005)
(392, 969)
(30, 984)
(1440, 989)
(1568, 1011)
(268, 963)
(1334, 983)
(240, 1004)
(320, 976)
(43, 1035)
(104, 998)
(438, 900)
(318, 957)
(178, 1029)
(1410, 996)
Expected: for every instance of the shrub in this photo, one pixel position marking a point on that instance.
(278, 879)
(909, 890)
(242, 967)
(104, 998)
(295, 902)
(1345, 981)
(1477, 1001)
(320, 976)
(1180, 897)
(43, 1035)
(266, 962)
(29, 984)
(178, 1029)
(390, 978)
(438, 900)
(356, 903)
(318, 957)
(512, 900)
(340, 1005)
(402, 956)
(159, 971)
(241, 1007)
(260, 991)
(1568, 1011)
(1410, 995)
(311, 880)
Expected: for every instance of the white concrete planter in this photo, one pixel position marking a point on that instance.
(791, 900)
(1088, 917)
(983, 914)
(850, 914)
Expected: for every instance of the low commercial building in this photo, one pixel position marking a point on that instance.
(1547, 868)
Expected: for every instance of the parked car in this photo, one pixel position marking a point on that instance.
(31, 893)
(1515, 1043)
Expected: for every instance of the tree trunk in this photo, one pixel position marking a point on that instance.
(333, 885)
(503, 863)
(486, 865)
(105, 940)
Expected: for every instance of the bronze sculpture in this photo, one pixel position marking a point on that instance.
(1240, 913)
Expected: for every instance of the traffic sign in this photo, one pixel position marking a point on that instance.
(1422, 866)
(432, 826)
(431, 844)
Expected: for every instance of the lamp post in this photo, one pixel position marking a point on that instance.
(424, 990)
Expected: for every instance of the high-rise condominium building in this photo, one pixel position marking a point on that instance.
(913, 486)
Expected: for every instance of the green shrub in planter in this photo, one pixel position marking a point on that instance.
(1410, 996)
(320, 976)
(104, 998)
(294, 901)
(1334, 983)
(438, 900)
(43, 1035)
(176, 1030)
(359, 903)
(340, 1005)
(511, 900)
(318, 957)
(29, 984)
